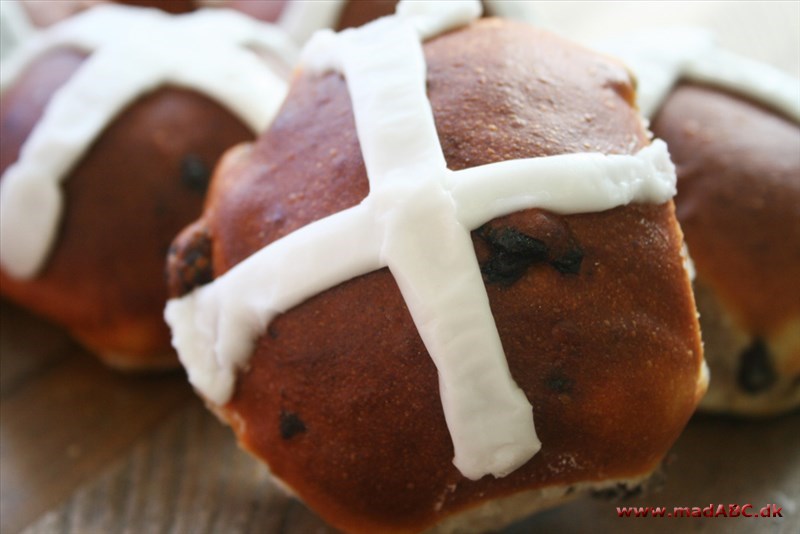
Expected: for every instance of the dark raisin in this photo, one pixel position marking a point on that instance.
(272, 331)
(291, 425)
(504, 269)
(618, 492)
(514, 242)
(756, 373)
(570, 262)
(189, 263)
(559, 383)
(194, 173)
(512, 253)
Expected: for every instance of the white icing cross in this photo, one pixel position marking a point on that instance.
(661, 57)
(416, 221)
(135, 51)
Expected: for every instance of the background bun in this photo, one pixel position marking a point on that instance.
(135, 183)
(738, 203)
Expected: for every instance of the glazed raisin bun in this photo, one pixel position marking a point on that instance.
(111, 122)
(733, 129)
(448, 287)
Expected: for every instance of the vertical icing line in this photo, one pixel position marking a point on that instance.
(429, 253)
(403, 135)
(143, 57)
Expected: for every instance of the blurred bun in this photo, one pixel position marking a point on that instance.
(135, 182)
(733, 130)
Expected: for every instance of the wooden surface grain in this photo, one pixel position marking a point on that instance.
(87, 450)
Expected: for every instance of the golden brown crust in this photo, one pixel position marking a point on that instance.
(137, 186)
(341, 398)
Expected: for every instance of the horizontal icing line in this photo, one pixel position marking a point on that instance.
(231, 27)
(15, 65)
(761, 82)
(569, 183)
(86, 32)
(215, 326)
(106, 24)
(661, 57)
(238, 80)
(214, 338)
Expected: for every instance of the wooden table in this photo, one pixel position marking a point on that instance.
(86, 450)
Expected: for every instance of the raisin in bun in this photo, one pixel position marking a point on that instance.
(111, 122)
(534, 275)
(733, 129)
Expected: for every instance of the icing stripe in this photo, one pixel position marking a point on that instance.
(758, 81)
(429, 253)
(214, 327)
(301, 18)
(205, 51)
(661, 57)
(15, 27)
(569, 183)
(416, 220)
